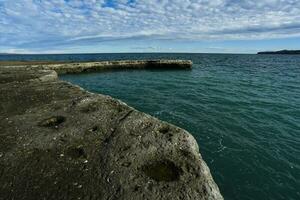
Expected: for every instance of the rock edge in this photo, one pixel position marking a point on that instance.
(59, 141)
(78, 67)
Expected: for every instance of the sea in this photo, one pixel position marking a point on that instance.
(243, 110)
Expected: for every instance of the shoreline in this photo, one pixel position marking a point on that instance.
(66, 142)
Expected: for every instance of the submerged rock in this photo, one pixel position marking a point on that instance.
(59, 141)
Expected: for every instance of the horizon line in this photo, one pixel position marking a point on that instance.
(3, 53)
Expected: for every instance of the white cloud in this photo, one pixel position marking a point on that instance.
(37, 23)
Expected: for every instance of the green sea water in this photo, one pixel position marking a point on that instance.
(244, 111)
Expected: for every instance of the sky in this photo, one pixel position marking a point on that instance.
(113, 26)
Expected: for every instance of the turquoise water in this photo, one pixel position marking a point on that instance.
(244, 111)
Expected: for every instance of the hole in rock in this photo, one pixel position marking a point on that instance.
(164, 170)
(76, 152)
(164, 129)
(93, 129)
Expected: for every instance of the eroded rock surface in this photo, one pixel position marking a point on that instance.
(58, 141)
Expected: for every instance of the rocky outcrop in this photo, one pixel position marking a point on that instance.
(63, 68)
(59, 141)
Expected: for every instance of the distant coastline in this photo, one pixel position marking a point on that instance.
(289, 52)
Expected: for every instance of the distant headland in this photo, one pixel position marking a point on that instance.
(289, 52)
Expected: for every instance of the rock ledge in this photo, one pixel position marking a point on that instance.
(78, 67)
(59, 141)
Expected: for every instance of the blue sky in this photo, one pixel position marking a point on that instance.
(97, 26)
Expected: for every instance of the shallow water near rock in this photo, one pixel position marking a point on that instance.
(244, 111)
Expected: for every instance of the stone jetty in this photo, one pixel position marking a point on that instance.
(58, 141)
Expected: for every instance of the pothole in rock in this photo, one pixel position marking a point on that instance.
(76, 152)
(53, 121)
(163, 170)
(164, 129)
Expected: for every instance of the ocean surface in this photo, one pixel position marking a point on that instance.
(244, 111)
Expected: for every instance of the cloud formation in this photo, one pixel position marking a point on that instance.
(53, 23)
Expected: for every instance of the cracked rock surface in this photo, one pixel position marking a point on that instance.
(58, 141)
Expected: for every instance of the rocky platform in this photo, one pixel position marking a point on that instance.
(79, 67)
(58, 141)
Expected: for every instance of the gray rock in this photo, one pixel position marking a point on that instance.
(64, 68)
(59, 141)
